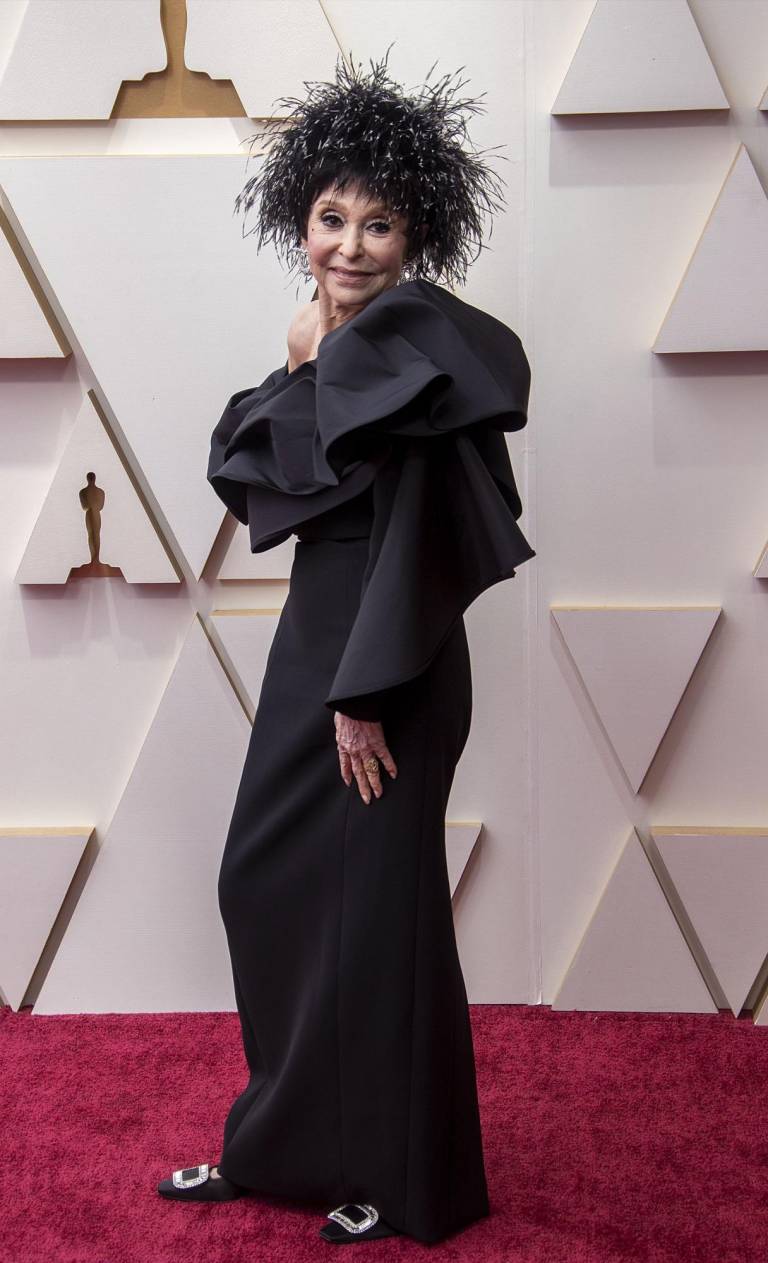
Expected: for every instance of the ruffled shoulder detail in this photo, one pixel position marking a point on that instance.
(423, 361)
(416, 361)
(412, 395)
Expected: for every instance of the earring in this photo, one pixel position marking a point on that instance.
(406, 272)
(303, 261)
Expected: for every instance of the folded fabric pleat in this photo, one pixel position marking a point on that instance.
(413, 395)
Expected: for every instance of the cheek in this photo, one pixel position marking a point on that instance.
(321, 246)
(389, 251)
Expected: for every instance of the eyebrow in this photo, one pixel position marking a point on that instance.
(378, 207)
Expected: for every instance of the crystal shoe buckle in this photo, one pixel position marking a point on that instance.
(371, 1216)
(186, 1177)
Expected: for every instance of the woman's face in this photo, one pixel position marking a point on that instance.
(356, 246)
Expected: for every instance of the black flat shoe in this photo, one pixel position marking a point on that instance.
(356, 1222)
(195, 1184)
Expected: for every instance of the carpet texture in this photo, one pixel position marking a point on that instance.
(607, 1137)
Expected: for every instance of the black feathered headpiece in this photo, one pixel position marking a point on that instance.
(406, 149)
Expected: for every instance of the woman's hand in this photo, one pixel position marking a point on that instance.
(359, 741)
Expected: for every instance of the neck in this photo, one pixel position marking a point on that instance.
(331, 314)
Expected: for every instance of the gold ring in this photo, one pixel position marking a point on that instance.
(371, 765)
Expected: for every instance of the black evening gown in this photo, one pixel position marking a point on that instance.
(386, 457)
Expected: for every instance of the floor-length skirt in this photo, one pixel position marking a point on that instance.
(339, 922)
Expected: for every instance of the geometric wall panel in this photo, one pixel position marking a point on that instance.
(146, 934)
(760, 570)
(294, 41)
(24, 330)
(460, 840)
(66, 59)
(720, 303)
(633, 956)
(241, 564)
(635, 663)
(36, 868)
(761, 1011)
(173, 308)
(636, 56)
(721, 876)
(101, 518)
(246, 636)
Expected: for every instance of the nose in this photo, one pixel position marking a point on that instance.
(351, 246)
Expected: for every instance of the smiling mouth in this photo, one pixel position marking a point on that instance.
(349, 272)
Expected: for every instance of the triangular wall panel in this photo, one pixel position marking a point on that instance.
(36, 868)
(761, 1012)
(760, 570)
(246, 636)
(461, 838)
(146, 935)
(59, 539)
(635, 56)
(721, 877)
(720, 303)
(167, 342)
(635, 663)
(633, 956)
(24, 329)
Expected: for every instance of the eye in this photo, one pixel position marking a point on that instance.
(331, 220)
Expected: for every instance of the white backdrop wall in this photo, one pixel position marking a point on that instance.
(642, 478)
(651, 471)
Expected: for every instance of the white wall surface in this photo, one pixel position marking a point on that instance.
(643, 478)
(651, 471)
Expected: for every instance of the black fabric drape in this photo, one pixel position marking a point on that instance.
(413, 395)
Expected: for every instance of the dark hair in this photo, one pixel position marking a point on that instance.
(404, 149)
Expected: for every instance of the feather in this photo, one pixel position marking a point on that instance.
(405, 147)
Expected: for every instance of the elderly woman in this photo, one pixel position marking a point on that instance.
(380, 445)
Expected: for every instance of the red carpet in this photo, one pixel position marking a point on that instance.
(607, 1137)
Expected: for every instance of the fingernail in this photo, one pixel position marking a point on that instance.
(366, 798)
